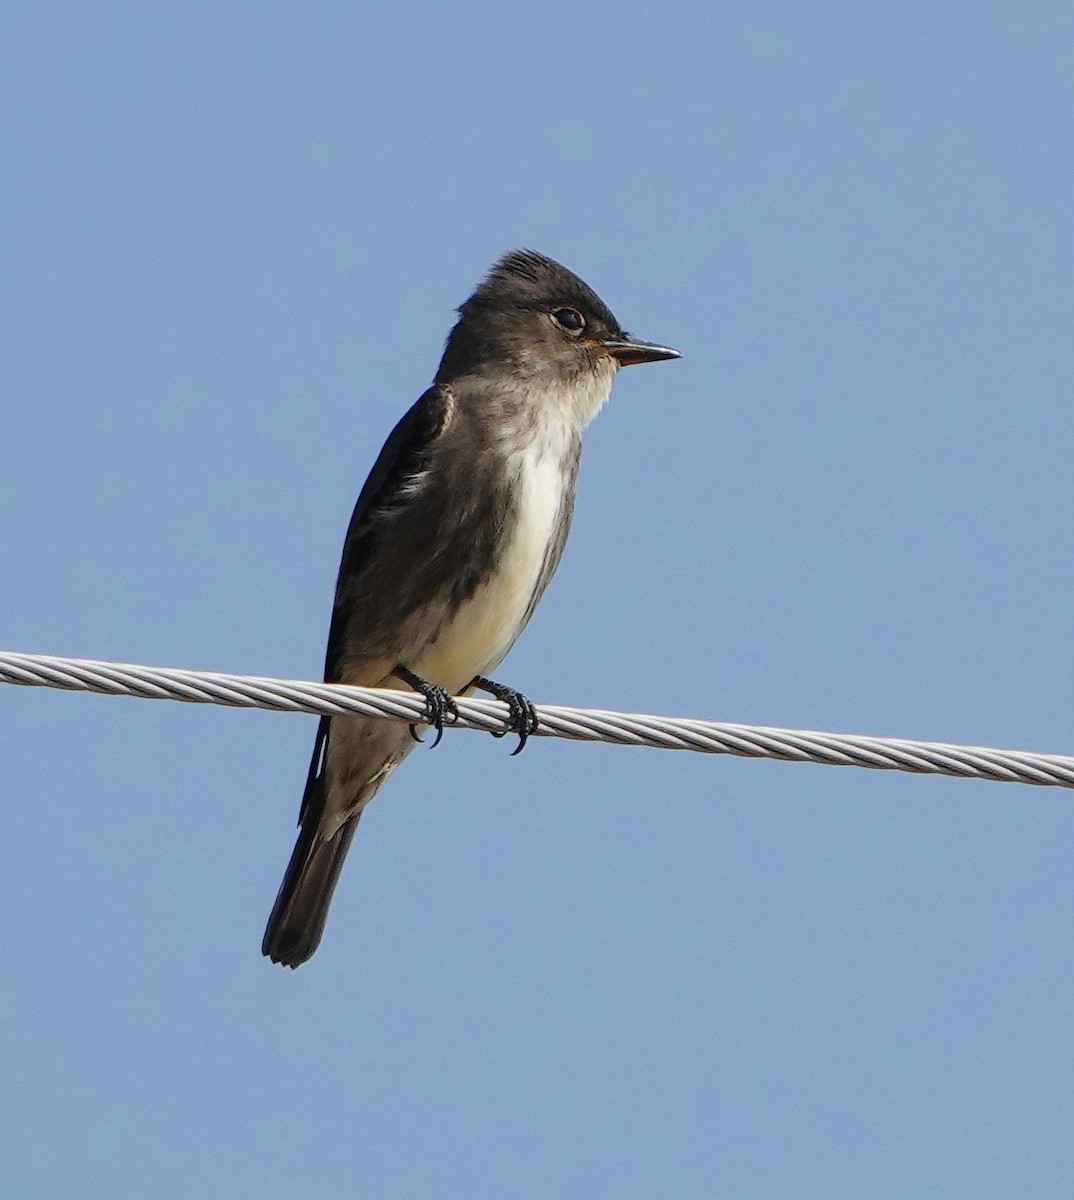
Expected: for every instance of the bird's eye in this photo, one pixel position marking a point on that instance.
(569, 319)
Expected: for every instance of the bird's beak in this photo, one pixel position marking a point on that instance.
(627, 350)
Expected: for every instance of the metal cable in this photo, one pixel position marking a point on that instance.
(591, 725)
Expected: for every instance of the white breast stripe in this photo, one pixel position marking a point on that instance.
(485, 627)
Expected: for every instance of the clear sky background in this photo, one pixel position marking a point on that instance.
(233, 239)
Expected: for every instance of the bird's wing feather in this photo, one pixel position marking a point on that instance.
(399, 464)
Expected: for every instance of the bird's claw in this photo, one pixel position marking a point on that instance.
(439, 706)
(521, 715)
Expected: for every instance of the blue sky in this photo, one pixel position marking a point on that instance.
(234, 236)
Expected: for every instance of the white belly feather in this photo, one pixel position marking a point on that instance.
(483, 630)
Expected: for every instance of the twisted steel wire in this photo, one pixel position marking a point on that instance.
(579, 724)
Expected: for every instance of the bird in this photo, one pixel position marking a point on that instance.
(453, 540)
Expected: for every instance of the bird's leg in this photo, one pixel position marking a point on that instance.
(438, 704)
(522, 716)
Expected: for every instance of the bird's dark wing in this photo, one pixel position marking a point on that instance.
(398, 467)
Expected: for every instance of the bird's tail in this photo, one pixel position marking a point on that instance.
(297, 919)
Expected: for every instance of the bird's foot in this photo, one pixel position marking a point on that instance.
(522, 716)
(439, 706)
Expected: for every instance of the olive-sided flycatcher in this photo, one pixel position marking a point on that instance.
(454, 538)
